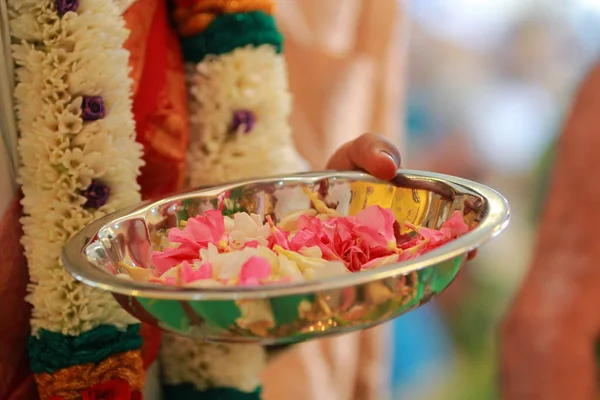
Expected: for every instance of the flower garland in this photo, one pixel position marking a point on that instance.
(74, 113)
(239, 106)
(71, 52)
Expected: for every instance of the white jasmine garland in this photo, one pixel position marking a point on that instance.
(208, 365)
(248, 78)
(59, 60)
(253, 79)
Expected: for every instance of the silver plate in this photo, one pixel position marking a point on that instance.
(288, 313)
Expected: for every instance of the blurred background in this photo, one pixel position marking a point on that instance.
(489, 84)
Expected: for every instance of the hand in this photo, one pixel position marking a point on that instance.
(373, 154)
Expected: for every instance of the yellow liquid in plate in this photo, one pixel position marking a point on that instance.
(406, 204)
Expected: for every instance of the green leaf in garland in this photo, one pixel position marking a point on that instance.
(52, 351)
(230, 31)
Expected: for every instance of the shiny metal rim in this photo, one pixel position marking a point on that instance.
(76, 263)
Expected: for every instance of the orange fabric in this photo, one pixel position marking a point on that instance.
(160, 111)
(159, 99)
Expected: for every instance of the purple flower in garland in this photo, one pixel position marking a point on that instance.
(64, 6)
(96, 194)
(92, 108)
(244, 118)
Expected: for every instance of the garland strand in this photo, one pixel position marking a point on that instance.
(231, 31)
(79, 162)
(239, 105)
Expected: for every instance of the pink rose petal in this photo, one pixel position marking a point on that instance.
(201, 230)
(455, 225)
(170, 257)
(380, 220)
(189, 275)
(372, 237)
(278, 236)
(251, 243)
(254, 270)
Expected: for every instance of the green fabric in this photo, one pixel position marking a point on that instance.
(189, 392)
(51, 351)
(230, 31)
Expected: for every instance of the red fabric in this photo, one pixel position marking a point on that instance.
(15, 378)
(160, 111)
(151, 346)
(160, 102)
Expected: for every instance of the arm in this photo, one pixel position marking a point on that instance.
(548, 337)
(352, 83)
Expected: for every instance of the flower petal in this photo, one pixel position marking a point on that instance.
(455, 225)
(378, 262)
(163, 261)
(379, 219)
(254, 271)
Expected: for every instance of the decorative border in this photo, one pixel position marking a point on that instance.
(79, 162)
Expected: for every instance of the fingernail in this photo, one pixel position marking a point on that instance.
(385, 153)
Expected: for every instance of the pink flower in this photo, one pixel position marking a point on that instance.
(278, 236)
(309, 223)
(189, 275)
(354, 240)
(171, 257)
(430, 239)
(376, 225)
(200, 231)
(312, 232)
(254, 271)
(356, 256)
(197, 234)
(455, 225)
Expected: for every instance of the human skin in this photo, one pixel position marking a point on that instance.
(549, 334)
(369, 152)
